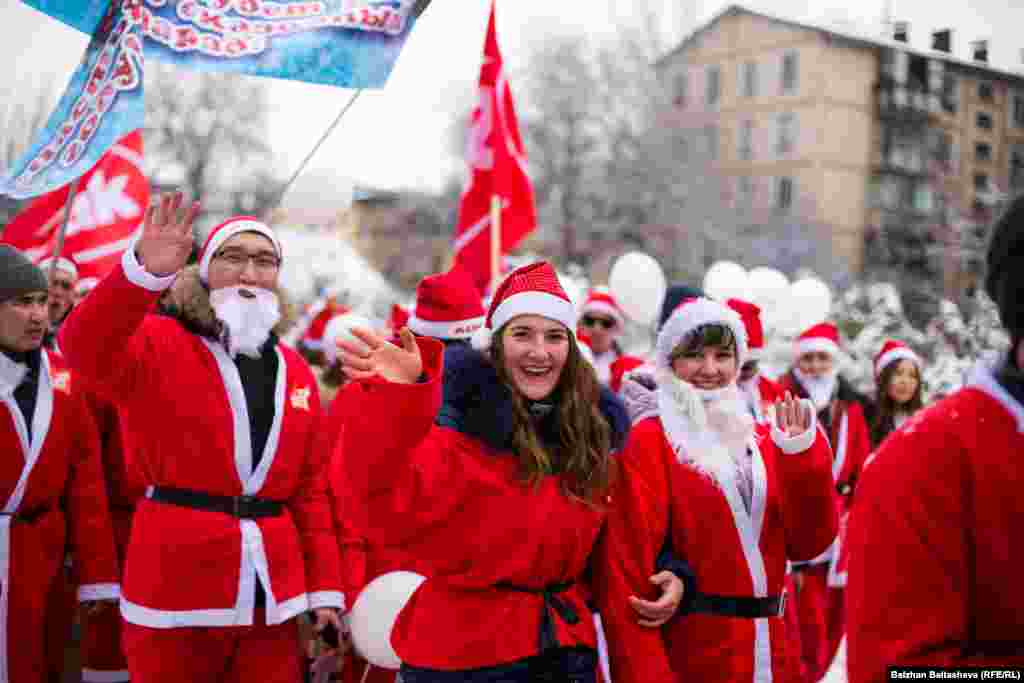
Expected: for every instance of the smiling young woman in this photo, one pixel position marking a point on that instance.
(495, 480)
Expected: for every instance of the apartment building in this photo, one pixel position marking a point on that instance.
(868, 136)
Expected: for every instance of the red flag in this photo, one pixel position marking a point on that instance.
(497, 163)
(107, 211)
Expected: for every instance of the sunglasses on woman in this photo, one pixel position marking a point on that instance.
(591, 321)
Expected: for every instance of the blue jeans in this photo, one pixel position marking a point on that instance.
(559, 665)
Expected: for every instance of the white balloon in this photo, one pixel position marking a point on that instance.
(811, 302)
(374, 615)
(725, 280)
(768, 289)
(638, 284)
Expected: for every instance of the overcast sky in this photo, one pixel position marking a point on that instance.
(398, 136)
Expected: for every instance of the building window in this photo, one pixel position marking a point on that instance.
(744, 192)
(924, 198)
(680, 89)
(784, 191)
(711, 142)
(745, 148)
(712, 86)
(1017, 168)
(785, 142)
(748, 80)
(1018, 110)
(949, 92)
(984, 120)
(981, 182)
(790, 75)
(982, 151)
(985, 92)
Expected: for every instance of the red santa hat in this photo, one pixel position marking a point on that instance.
(692, 314)
(532, 289)
(447, 306)
(601, 302)
(63, 263)
(750, 314)
(228, 229)
(399, 317)
(821, 337)
(894, 351)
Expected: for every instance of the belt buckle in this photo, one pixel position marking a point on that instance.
(782, 603)
(241, 506)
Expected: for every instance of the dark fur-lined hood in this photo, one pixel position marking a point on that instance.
(188, 301)
(476, 402)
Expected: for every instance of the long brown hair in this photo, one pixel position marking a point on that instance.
(583, 451)
(886, 409)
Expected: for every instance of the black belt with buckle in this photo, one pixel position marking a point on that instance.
(551, 604)
(242, 507)
(744, 608)
(26, 516)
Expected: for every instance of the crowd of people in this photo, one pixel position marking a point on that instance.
(209, 502)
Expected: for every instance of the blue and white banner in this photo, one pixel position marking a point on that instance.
(102, 104)
(345, 43)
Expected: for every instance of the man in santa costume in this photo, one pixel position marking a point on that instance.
(815, 375)
(62, 275)
(311, 340)
(760, 392)
(601, 323)
(935, 551)
(51, 480)
(733, 497)
(233, 538)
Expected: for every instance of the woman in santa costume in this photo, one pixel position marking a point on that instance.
(899, 389)
(601, 323)
(233, 538)
(51, 478)
(497, 484)
(935, 551)
(840, 408)
(733, 498)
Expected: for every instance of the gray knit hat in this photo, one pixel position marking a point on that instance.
(18, 275)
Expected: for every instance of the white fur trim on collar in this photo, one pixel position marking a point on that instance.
(228, 231)
(12, 374)
(534, 303)
(897, 354)
(692, 315)
(445, 329)
(814, 344)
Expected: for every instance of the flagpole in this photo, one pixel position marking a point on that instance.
(320, 142)
(63, 226)
(495, 242)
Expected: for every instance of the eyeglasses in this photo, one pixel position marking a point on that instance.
(236, 260)
(591, 321)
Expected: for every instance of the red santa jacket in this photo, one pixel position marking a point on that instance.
(51, 491)
(850, 439)
(185, 413)
(935, 550)
(450, 496)
(732, 552)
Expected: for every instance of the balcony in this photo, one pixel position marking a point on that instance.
(903, 103)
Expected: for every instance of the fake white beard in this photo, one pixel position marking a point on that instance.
(821, 389)
(11, 375)
(247, 321)
(709, 429)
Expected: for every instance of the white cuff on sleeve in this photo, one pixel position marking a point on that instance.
(140, 277)
(791, 445)
(318, 599)
(99, 591)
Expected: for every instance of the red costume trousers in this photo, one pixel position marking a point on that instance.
(223, 654)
